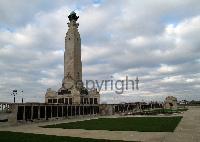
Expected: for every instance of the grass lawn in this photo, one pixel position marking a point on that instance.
(25, 137)
(142, 124)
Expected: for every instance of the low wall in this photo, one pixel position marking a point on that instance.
(34, 112)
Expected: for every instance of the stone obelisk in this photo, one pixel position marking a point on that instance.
(72, 90)
(72, 55)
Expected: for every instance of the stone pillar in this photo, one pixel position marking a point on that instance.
(31, 112)
(57, 111)
(12, 119)
(75, 110)
(51, 111)
(90, 110)
(62, 111)
(67, 111)
(24, 114)
(83, 110)
(95, 110)
(45, 112)
(79, 109)
(38, 112)
(87, 109)
(71, 110)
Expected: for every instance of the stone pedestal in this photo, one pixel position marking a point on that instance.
(12, 118)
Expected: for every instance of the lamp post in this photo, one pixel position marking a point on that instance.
(14, 93)
(22, 97)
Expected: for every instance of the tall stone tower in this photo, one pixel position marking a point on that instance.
(72, 55)
(72, 90)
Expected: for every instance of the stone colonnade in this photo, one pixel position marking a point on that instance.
(34, 112)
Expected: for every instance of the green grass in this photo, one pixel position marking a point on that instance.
(25, 137)
(142, 124)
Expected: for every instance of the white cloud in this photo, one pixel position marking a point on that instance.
(166, 69)
(173, 79)
(48, 82)
(139, 41)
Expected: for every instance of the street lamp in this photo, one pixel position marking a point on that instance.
(14, 93)
(22, 97)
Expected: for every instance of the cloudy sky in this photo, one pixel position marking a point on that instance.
(157, 40)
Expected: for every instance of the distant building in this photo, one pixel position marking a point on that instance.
(72, 90)
(170, 102)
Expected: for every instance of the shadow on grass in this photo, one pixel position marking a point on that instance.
(26, 137)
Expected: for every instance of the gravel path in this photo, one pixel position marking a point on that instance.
(188, 129)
